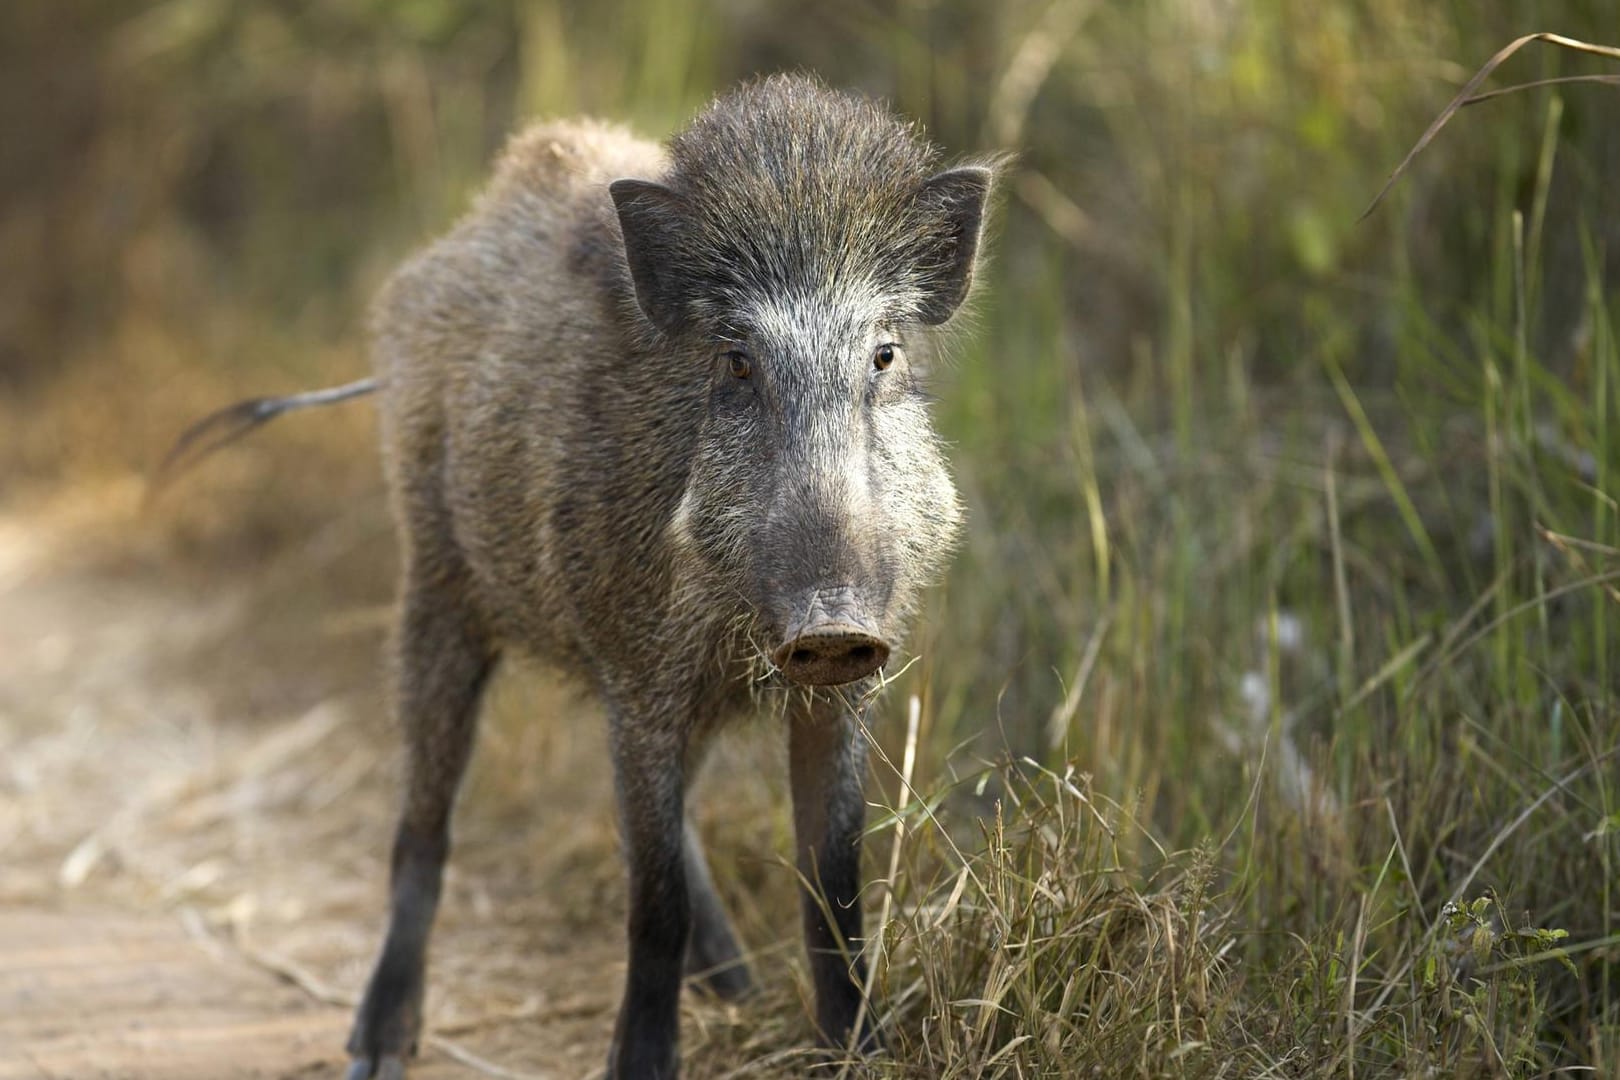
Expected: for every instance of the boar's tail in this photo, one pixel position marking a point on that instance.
(219, 429)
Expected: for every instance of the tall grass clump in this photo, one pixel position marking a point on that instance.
(1344, 600)
(1054, 951)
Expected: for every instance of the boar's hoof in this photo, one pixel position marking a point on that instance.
(388, 1067)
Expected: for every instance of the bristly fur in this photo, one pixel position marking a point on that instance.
(634, 424)
(785, 187)
(771, 218)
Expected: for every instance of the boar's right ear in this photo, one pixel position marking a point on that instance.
(649, 217)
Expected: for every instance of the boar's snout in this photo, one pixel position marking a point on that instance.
(832, 643)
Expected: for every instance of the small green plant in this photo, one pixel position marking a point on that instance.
(1480, 999)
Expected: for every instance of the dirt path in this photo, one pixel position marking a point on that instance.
(195, 794)
(102, 994)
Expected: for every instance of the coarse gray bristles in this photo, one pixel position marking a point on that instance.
(789, 187)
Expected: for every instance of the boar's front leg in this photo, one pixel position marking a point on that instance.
(649, 775)
(826, 762)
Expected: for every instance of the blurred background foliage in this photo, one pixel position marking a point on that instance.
(1251, 480)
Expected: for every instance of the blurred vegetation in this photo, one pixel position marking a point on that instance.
(1293, 535)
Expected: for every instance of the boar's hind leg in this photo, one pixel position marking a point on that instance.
(826, 762)
(444, 659)
(712, 954)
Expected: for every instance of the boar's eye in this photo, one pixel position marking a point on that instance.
(738, 364)
(883, 356)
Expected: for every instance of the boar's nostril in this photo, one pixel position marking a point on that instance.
(831, 653)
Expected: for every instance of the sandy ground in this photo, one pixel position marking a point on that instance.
(196, 791)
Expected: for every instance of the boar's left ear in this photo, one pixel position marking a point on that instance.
(958, 197)
(650, 218)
